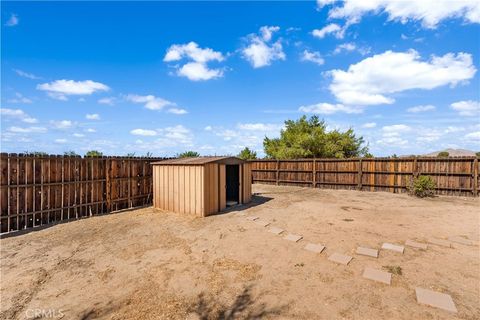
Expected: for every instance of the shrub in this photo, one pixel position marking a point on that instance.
(188, 154)
(94, 153)
(477, 154)
(247, 154)
(423, 186)
(443, 154)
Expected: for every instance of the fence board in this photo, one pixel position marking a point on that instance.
(453, 176)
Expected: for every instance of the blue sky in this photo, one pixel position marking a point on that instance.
(164, 77)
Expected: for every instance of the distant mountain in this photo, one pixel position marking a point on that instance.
(453, 153)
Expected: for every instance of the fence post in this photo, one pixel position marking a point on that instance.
(314, 172)
(360, 175)
(475, 177)
(277, 175)
(108, 184)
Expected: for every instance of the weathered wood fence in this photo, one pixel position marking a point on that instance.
(39, 190)
(453, 176)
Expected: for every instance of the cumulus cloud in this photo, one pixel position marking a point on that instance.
(369, 125)
(108, 101)
(27, 130)
(312, 56)
(60, 89)
(474, 136)
(428, 12)
(196, 69)
(26, 74)
(332, 28)
(93, 116)
(17, 114)
(62, 124)
(177, 111)
(12, 21)
(467, 108)
(150, 101)
(372, 80)
(344, 47)
(78, 135)
(143, 132)
(423, 108)
(328, 108)
(19, 98)
(61, 141)
(260, 51)
(259, 126)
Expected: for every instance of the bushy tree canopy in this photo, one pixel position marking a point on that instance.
(443, 154)
(93, 153)
(309, 138)
(247, 154)
(188, 154)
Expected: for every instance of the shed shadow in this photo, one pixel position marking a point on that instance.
(257, 200)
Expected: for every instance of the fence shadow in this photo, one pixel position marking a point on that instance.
(245, 306)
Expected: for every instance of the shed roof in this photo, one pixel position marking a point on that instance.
(199, 161)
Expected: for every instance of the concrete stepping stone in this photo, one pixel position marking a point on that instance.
(251, 218)
(316, 248)
(275, 230)
(367, 252)
(293, 237)
(393, 247)
(461, 240)
(440, 242)
(340, 258)
(435, 299)
(377, 275)
(415, 244)
(262, 223)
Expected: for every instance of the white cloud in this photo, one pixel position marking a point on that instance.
(312, 56)
(61, 141)
(328, 108)
(26, 74)
(333, 28)
(474, 136)
(60, 89)
(467, 107)
(369, 125)
(208, 128)
(177, 111)
(143, 132)
(395, 129)
(344, 47)
(423, 108)
(27, 130)
(19, 98)
(259, 126)
(90, 130)
(109, 101)
(260, 52)
(12, 21)
(62, 124)
(18, 114)
(78, 135)
(196, 69)
(150, 101)
(428, 12)
(372, 80)
(178, 134)
(93, 116)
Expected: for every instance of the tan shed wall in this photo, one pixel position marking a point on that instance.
(222, 186)
(247, 182)
(179, 189)
(211, 187)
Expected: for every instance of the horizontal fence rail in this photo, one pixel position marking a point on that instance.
(40, 190)
(453, 176)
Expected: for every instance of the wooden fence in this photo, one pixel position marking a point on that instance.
(453, 176)
(39, 190)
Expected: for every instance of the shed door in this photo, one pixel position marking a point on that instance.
(233, 184)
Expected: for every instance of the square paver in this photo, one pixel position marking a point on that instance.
(377, 275)
(461, 240)
(393, 247)
(340, 258)
(317, 248)
(435, 299)
(367, 252)
(415, 244)
(293, 237)
(440, 242)
(262, 223)
(251, 218)
(275, 230)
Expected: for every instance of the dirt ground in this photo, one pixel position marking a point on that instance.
(149, 264)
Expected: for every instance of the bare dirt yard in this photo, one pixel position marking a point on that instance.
(149, 264)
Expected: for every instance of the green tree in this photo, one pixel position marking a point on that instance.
(188, 154)
(36, 153)
(309, 138)
(477, 154)
(93, 153)
(70, 153)
(247, 154)
(443, 154)
(130, 154)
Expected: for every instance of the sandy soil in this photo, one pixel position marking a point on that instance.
(148, 264)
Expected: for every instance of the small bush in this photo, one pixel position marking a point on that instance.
(423, 186)
(443, 154)
(188, 154)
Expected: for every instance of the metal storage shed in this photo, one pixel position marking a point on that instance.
(201, 186)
